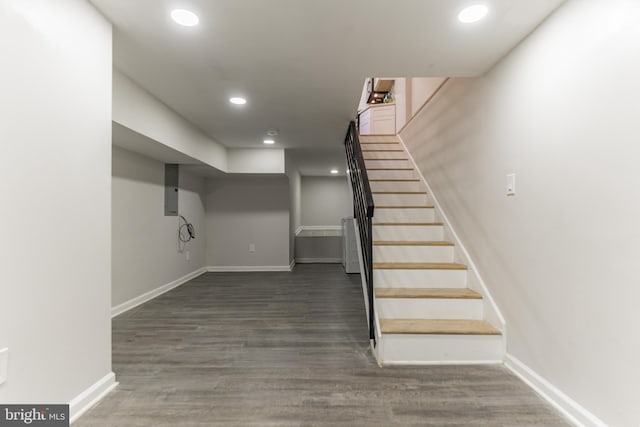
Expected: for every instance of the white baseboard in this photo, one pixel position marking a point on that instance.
(319, 260)
(292, 264)
(440, 362)
(88, 398)
(247, 268)
(571, 409)
(147, 296)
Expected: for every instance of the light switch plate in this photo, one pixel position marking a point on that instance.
(252, 247)
(511, 184)
(4, 357)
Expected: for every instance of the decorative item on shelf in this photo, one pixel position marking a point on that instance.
(377, 98)
(388, 98)
(378, 89)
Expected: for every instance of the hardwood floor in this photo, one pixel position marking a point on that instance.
(288, 349)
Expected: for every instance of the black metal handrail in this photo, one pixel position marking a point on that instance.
(363, 208)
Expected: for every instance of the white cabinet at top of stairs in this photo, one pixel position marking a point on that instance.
(378, 119)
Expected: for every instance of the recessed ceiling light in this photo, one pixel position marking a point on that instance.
(269, 141)
(334, 171)
(185, 17)
(237, 100)
(473, 13)
(272, 132)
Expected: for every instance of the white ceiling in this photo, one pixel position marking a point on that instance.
(301, 63)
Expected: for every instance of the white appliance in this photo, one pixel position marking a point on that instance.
(350, 260)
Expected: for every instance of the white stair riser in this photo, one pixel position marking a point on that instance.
(381, 146)
(429, 308)
(376, 164)
(391, 174)
(397, 199)
(394, 278)
(419, 348)
(397, 186)
(404, 215)
(411, 233)
(379, 139)
(373, 155)
(413, 254)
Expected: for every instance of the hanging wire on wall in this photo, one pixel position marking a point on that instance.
(186, 232)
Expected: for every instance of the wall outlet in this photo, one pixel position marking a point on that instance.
(511, 184)
(4, 357)
(252, 247)
(187, 255)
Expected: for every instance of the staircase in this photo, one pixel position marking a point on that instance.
(426, 312)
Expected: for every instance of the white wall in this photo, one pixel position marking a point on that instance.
(137, 109)
(400, 99)
(242, 211)
(146, 253)
(295, 214)
(55, 146)
(363, 96)
(325, 200)
(560, 257)
(421, 90)
(256, 160)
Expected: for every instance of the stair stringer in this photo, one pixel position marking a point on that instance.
(375, 347)
(475, 282)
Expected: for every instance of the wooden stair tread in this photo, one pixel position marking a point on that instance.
(405, 207)
(383, 150)
(437, 327)
(435, 224)
(396, 159)
(394, 180)
(398, 192)
(411, 243)
(418, 266)
(390, 169)
(436, 293)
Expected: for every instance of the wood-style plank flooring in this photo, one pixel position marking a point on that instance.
(288, 349)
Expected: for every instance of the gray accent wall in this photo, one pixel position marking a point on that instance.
(244, 211)
(325, 200)
(146, 253)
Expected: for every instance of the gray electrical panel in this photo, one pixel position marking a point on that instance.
(171, 176)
